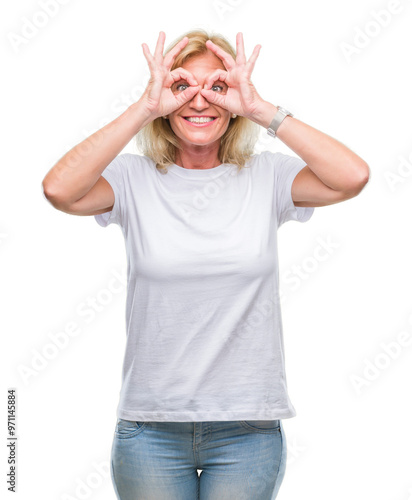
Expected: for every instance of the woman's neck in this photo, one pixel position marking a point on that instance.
(200, 157)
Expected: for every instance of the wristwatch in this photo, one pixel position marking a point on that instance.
(281, 114)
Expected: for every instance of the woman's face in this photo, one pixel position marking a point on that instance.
(200, 133)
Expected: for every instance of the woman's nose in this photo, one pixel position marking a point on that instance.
(198, 101)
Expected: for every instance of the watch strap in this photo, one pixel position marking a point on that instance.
(281, 114)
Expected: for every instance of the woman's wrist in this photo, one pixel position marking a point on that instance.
(142, 115)
(265, 114)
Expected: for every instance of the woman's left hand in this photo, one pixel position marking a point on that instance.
(239, 94)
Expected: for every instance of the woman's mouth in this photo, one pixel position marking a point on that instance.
(199, 121)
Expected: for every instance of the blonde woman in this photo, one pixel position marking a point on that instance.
(204, 384)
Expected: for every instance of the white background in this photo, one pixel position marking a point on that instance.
(79, 71)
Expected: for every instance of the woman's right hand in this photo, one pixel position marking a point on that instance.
(158, 98)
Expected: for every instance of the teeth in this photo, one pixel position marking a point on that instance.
(199, 120)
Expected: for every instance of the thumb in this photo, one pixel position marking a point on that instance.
(188, 94)
(213, 97)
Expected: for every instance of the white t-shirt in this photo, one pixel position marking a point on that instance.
(204, 329)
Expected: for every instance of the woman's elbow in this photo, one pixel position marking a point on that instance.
(362, 178)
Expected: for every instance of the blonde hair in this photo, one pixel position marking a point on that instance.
(157, 139)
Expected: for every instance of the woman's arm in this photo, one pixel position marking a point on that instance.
(75, 174)
(333, 173)
(74, 185)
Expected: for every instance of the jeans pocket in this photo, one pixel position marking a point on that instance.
(128, 428)
(265, 426)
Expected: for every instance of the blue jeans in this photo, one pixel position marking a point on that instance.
(239, 460)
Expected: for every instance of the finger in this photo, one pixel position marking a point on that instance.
(254, 56)
(159, 46)
(147, 54)
(171, 55)
(187, 95)
(227, 59)
(183, 74)
(240, 49)
(213, 97)
(218, 75)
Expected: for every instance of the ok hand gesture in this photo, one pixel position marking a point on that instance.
(158, 98)
(241, 96)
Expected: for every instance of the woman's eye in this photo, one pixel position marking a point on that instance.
(181, 85)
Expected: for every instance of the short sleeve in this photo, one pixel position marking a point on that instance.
(114, 175)
(286, 169)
